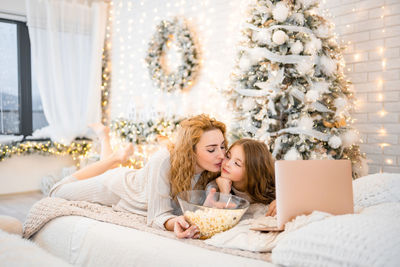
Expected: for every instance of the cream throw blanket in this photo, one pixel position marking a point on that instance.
(49, 208)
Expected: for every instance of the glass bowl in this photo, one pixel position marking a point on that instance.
(213, 214)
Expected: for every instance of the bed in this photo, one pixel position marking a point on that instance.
(369, 238)
(86, 242)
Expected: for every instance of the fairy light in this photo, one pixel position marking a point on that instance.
(383, 145)
(77, 149)
(382, 113)
(383, 63)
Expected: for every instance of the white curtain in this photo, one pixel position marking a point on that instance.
(67, 38)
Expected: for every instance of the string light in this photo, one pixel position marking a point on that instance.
(383, 145)
(383, 63)
(77, 149)
(389, 161)
(382, 113)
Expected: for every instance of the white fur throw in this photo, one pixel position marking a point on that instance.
(371, 238)
(15, 251)
(375, 189)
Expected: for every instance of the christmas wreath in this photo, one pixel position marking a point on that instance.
(168, 35)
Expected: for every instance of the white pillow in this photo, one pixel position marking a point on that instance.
(16, 251)
(368, 239)
(376, 189)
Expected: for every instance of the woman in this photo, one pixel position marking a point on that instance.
(193, 161)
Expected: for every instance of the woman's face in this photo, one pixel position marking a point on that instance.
(233, 164)
(210, 151)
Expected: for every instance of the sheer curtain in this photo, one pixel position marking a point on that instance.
(67, 38)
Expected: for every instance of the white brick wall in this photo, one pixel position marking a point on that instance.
(371, 30)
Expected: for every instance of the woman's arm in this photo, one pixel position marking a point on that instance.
(160, 211)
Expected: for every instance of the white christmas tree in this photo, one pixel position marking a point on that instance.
(288, 85)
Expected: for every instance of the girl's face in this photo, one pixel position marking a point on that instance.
(210, 151)
(233, 165)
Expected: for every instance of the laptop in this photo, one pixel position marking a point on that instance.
(303, 186)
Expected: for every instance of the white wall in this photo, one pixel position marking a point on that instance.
(13, 9)
(215, 24)
(24, 173)
(371, 29)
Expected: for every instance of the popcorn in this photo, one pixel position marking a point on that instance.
(211, 221)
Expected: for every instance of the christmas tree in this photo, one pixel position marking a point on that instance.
(288, 85)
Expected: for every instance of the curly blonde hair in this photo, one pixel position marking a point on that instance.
(259, 170)
(183, 154)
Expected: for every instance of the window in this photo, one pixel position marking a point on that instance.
(21, 109)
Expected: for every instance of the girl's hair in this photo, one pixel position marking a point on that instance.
(259, 170)
(183, 154)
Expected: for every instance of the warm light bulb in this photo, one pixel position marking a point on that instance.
(380, 97)
(382, 131)
(384, 63)
(383, 145)
(389, 161)
(382, 113)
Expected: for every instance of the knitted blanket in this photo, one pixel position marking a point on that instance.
(49, 208)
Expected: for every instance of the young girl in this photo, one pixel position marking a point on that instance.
(191, 163)
(248, 172)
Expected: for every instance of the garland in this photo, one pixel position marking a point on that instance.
(158, 46)
(75, 149)
(144, 132)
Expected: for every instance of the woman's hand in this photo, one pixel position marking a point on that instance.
(224, 185)
(183, 229)
(271, 209)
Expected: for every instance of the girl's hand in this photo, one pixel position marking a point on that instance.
(212, 203)
(224, 185)
(271, 209)
(182, 229)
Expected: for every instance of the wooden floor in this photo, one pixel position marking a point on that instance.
(18, 205)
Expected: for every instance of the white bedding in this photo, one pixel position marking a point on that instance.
(86, 242)
(337, 240)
